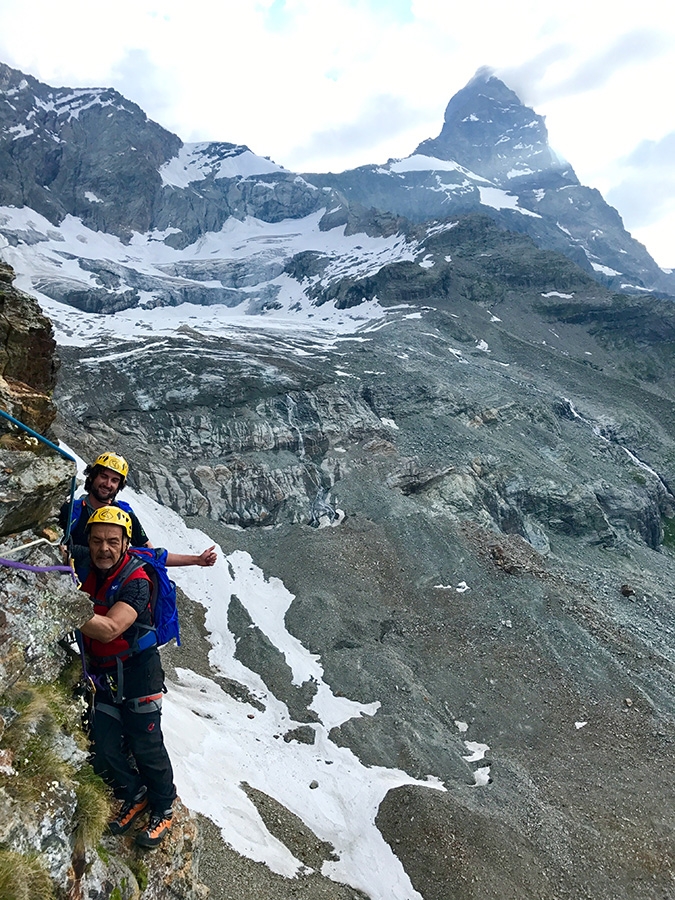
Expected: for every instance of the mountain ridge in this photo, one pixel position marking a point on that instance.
(93, 155)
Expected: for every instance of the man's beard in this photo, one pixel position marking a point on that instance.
(108, 497)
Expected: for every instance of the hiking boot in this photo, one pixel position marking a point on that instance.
(156, 830)
(128, 814)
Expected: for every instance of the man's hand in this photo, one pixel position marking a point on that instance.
(208, 557)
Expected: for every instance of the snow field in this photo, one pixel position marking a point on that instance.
(218, 743)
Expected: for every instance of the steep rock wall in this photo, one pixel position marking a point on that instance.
(48, 842)
(28, 361)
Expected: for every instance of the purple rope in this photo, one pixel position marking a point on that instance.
(18, 565)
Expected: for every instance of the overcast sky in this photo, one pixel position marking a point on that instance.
(323, 85)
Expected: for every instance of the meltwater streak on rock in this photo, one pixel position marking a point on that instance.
(600, 432)
(294, 425)
(201, 720)
(321, 508)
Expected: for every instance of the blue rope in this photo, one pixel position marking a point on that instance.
(43, 439)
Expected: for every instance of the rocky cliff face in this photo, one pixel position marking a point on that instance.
(48, 169)
(28, 363)
(52, 810)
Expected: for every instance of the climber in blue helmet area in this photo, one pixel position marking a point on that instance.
(104, 479)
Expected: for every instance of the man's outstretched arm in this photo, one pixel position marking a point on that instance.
(207, 557)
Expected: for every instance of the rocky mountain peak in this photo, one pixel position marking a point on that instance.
(87, 152)
(488, 130)
(23, 93)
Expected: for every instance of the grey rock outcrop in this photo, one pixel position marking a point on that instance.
(38, 609)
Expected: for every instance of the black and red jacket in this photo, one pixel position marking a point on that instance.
(98, 586)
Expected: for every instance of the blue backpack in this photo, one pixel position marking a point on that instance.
(162, 596)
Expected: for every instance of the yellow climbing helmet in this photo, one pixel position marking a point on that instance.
(111, 515)
(114, 462)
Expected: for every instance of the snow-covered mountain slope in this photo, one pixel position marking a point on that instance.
(196, 162)
(92, 156)
(317, 780)
(96, 156)
(423, 188)
(249, 267)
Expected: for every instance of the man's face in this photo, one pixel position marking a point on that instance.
(107, 544)
(105, 485)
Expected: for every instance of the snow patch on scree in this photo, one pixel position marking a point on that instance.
(323, 784)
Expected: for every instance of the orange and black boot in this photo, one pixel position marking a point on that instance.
(130, 811)
(157, 829)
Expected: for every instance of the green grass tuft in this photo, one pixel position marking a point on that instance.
(23, 877)
(37, 768)
(44, 712)
(93, 806)
(140, 872)
(669, 533)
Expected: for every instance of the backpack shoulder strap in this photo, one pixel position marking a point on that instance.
(148, 636)
(132, 565)
(78, 506)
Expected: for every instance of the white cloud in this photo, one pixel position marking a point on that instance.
(647, 188)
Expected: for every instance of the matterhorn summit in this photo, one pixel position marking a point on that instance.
(488, 130)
